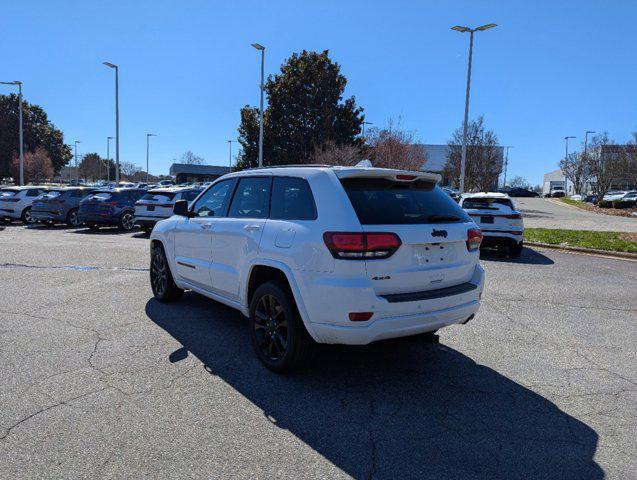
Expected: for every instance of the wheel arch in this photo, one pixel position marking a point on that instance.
(262, 270)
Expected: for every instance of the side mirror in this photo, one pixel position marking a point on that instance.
(181, 208)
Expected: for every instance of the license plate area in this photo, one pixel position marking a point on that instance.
(432, 254)
(486, 219)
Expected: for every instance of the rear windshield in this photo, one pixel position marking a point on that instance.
(486, 203)
(379, 201)
(158, 196)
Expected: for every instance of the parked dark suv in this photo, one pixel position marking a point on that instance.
(110, 207)
(59, 206)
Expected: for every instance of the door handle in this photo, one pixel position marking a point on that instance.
(251, 228)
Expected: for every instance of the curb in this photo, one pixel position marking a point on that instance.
(592, 251)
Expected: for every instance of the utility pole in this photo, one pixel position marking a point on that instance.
(111, 65)
(565, 161)
(77, 168)
(584, 164)
(108, 159)
(148, 135)
(230, 156)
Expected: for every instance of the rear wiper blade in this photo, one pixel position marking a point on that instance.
(443, 218)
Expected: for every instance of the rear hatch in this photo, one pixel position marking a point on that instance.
(432, 228)
(494, 215)
(155, 204)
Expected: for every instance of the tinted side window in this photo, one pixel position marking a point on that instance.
(33, 193)
(251, 198)
(213, 203)
(292, 199)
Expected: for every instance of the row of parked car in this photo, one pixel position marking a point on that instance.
(126, 207)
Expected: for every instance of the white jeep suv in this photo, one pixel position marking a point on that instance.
(312, 254)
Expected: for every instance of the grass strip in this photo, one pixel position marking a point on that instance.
(609, 241)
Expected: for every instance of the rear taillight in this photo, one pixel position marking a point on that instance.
(361, 246)
(474, 239)
(514, 216)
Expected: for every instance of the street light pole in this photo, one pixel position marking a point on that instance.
(262, 49)
(365, 123)
(148, 135)
(506, 164)
(77, 168)
(111, 65)
(230, 155)
(566, 161)
(21, 134)
(581, 187)
(463, 159)
(108, 159)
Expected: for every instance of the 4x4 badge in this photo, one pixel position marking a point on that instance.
(439, 233)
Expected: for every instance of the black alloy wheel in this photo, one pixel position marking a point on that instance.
(271, 328)
(161, 280)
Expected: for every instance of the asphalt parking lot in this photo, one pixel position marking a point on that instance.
(101, 381)
(550, 213)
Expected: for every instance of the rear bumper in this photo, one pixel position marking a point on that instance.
(331, 300)
(143, 221)
(495, 239)
(10, 212)
(393, 327)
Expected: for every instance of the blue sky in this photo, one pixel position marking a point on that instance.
(548, 70)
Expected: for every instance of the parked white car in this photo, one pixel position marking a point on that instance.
(345, 255)
(158, 204)
(15, 202)
(497, 217)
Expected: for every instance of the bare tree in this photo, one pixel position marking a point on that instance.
(629, 161)
(603, 169)
(483, 161)
(394, 147)
(37, 166)
(129, 169)
(190, 158)
(519, 182)
(332, 154)
(574, 169)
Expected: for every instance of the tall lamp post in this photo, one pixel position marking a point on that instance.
(108, 158)
(262, 49)
(581, 188)
(77, 168)
(459, 28)
(148, 135)
(566, 139)
(111, 65)
(19, 84)
(366, 123)
(506, 164)
(230, 154)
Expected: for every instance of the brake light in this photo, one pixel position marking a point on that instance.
(361, 246)
(405, 177)
(474, 239)
(514, 216)
(360, 316)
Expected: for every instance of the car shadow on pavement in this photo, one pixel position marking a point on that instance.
(103, 231)
(528, 257)
(393, 409)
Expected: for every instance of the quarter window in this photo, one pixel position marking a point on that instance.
(292, 199)
(251, 198)
(213, 202)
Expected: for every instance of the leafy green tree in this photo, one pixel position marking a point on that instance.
(305, 110)
(38, 132)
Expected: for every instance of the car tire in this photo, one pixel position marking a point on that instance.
(516, 250)
(71, 218)
(26, 216)
(277, 332)
(161, 279)
(126, 221)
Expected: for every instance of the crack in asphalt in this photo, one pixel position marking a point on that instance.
(72, 267)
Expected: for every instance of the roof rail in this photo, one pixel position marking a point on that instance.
(295, 165)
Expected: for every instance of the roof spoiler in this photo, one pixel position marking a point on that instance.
(391, 174)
